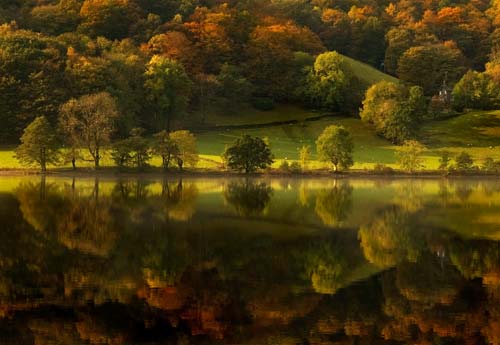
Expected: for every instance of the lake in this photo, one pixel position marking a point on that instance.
(249, 261)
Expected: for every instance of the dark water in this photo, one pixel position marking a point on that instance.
(218, 261)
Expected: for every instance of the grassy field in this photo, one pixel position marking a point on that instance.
(250, 116)
(477, 133)
(246, 115)
(367, 73)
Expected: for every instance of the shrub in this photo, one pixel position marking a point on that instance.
(381, 168)
(133, 151)
(284, 166)
(444, 160)
(489, 165)
(304, 156)
(295, 167)
(464, 161)
(409, 157)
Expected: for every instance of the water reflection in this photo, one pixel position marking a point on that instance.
(248, 197)
(249, 262)
(334, 204)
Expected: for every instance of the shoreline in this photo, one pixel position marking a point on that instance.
(159, 173)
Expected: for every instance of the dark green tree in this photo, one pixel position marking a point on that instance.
(248, 154)
(168, 87)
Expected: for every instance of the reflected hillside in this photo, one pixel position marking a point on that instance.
(245, 261)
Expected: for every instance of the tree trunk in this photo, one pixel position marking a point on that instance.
(73, 163)
(97, 158)
(43, 164)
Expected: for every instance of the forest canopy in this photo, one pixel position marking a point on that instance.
(218, 54)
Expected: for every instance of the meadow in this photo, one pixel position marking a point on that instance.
(477, 133)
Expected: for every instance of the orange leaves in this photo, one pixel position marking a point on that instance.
(286, 36)
(174, 45)
(359, 14)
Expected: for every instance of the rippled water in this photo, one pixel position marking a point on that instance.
(259, 261)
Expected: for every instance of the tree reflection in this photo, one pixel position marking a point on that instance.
(391, 238)
(329, 262)
(429, 282)
(132, 262)
(81, 222)
(333, 205)
(179, 199)
(248, 198)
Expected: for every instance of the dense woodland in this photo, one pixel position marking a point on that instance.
(164, 60)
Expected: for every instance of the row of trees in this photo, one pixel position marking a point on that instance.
(82, 125)
(41, 145)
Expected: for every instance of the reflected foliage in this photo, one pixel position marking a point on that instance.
(248, 198)
(390, 238)
(333, 205)
(169, 262)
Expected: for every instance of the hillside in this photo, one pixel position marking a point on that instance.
(368, 74)
(246, 115)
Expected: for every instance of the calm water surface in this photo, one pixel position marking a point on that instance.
(235, 261)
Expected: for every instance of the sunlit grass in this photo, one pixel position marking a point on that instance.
(368, 74)
(475, 133)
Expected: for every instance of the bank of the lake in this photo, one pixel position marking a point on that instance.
(153, 172)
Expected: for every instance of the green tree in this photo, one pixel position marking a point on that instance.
(428, 65)
(248, 154)
(55, 19)
(395, 110)
(168, 87)
(332, 84)
(39, 144)
(109, 18)
(476, 91)
(187, 152)
(463, 161)
(234, 88)
(121, 153)
(335, 145)
(444, 160)
(304, 156)
(91, 119)
(410, 155)
(166, 148)
(31, 79)
(132, 151)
